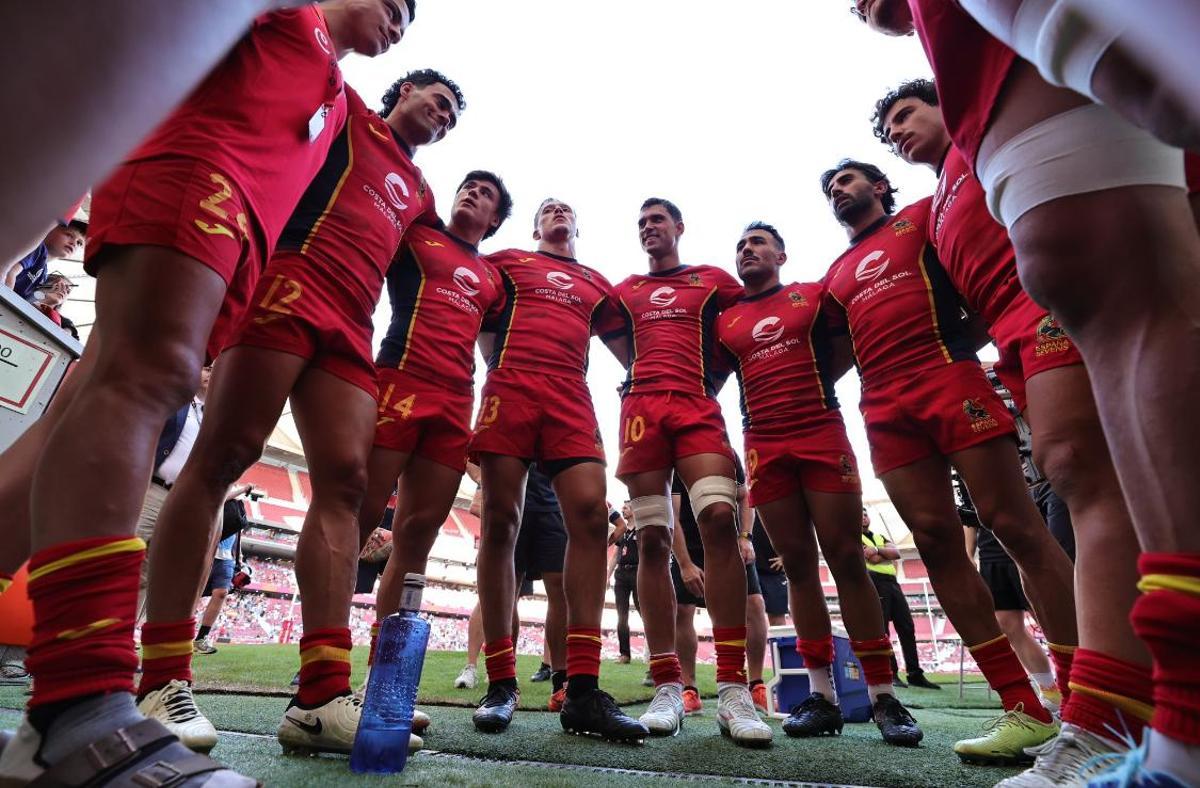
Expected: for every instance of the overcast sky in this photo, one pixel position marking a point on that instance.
(729, 110)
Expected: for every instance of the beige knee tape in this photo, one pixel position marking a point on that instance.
(651, 510)
(712, 489)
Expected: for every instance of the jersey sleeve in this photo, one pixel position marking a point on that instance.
(833, 311)
(493, 311)
(608, 322)
(729, 290)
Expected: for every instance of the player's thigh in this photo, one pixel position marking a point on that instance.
(923, 498)
(1068, 439)
(156, 307)
(249, 388)
(384, 467)
(837, 519)
(580, 489)
(336, 423)
(503, 480)
(992, 473)
(789, 527)
(426, 492)
(700, 466)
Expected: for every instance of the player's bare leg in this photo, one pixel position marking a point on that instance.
(686, 642)
(554, 651)
(756, 637)
(384, 467)
(1132, 323)
(992, 472)
(326, 558)
(156, 308)
(580, 490)
(503, 479)
(1069, 447)
(923, 496)
(423, 500)
(650, 498)
(249, 390)
(710, 482)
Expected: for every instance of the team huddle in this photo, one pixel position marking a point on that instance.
(275, 208)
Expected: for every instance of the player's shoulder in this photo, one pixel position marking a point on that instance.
(507, 257)
(915, 214)
(796, 292)
(596, 278)
(711, 272)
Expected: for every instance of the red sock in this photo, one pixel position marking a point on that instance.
(1063, 656)
(876, 659)
(817, 653)
(1165, 616)
(501, 659)
(324, 666)
(1003, 671)
(731, 654)
(583, 651)
(166, 654)
(664, 669)
(84, 597)
(374, 642)
(5, 581)
(1111, 697)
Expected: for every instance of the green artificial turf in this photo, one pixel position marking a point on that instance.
(857, 757)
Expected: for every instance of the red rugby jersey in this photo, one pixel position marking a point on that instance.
(778, 342)
(441, 292)
(365, 196)
(890, 291)
(969, 66)
(254, 115)
(973, 247)
(553, 304)
(670, 319)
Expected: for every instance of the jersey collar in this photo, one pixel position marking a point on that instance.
(760, 296)
(559, 257)
(878, 223)
(671, 272)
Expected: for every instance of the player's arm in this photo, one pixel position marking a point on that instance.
(487, 343)
(976, 329)
(842, 357)
(746, 525)
(888, 551)
(618, 345)
(971, 538)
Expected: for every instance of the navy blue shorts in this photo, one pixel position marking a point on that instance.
(221, 575)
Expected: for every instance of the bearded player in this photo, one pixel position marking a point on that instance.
(535, 406)
(1056, 169)
(181, 228)
(307, 339)
(1109, 680)
(671, 422)
(802, 469)
(927, 405)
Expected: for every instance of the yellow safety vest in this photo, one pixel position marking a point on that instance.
(885, 568)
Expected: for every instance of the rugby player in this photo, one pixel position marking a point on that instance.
(305, 338)
(1056, 168)
(180, 228)
(802, 469)
(535, 406)
(671, 423)
(1044, 371)
(927, 405)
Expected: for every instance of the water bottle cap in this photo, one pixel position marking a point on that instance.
(414, 579)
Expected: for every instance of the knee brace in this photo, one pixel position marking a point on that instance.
(712, 489)
(651, 510)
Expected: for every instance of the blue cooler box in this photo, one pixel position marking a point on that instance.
(789, 685)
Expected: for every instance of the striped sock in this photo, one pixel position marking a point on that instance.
(731, 654)
(1063, 657)
(665, 669)
(1004, 672)
(1165, 616)
(166, 654)
(1112, 698)
(583, 660)
(501, 660)
(818, 657)
(324, 666)
(875, 656)
(84, 597)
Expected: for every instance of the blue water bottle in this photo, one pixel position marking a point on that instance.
(381, 744)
